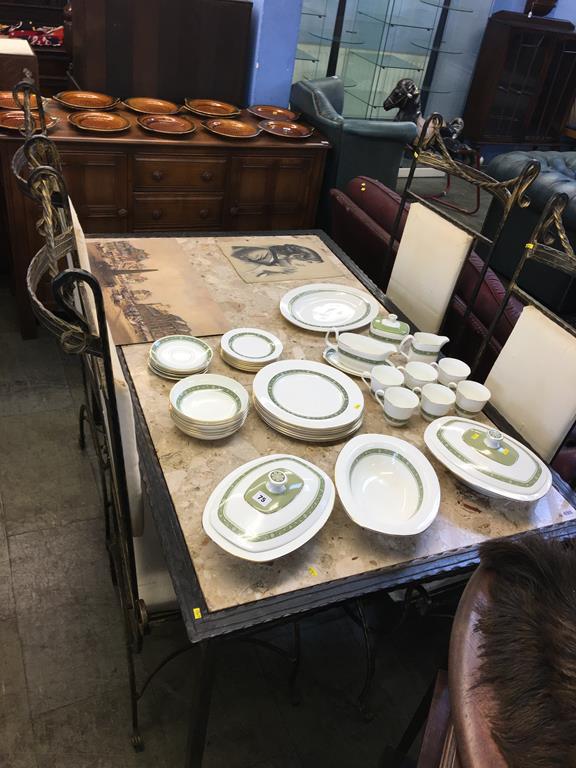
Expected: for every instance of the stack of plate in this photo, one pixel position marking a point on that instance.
(250, 349)
(208, 406)
(308, 400)
(174, 357)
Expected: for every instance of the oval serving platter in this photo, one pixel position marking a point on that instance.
(172, 125)
(211, 108)
(85, 100)
(232, 129)
(270, 112)
(14, 121)
(149, 106)
(286, 129)
(99, 122)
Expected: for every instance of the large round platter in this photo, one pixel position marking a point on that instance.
(173, 125)
(303, 394)
(7, 100)
(270, 112)
(483, 458)
(15, 120)
(148, 106)
(286, 129)
(85, 100)
(99, 122)
(251, 346)
(387, 485)
(268, 507)
(321, 306)
(179, 354)
(211, 108)
(209, 399)
(233, 129)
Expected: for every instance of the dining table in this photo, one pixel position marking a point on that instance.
(220, 595)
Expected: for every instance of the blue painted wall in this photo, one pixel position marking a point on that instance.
(565, 9)
(275, 26)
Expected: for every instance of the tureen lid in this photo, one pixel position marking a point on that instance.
(269, 507)
(487, 458)
(391, 324)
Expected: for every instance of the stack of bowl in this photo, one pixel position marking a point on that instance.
(174, 357)
(208, 406)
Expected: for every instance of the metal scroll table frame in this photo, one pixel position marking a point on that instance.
(431, 152)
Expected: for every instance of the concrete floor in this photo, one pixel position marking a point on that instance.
(63, 681)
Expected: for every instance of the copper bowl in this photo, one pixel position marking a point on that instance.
(233, 129)
(14, 121)
(7, 101)
(99, 122)
(173, 125)
(146, 106)
(86, 100)
(286, 129)
(211, 108)
(270, 112)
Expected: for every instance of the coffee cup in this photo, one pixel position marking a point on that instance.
(436, 400)
(451, 371)
(381, 377)
(471, 397)
(418, 374)
(398, 404)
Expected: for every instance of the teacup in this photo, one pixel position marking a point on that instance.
(381, 377)
(418, 374)
(360, 353)
(436, 400)
(451, 371)
(398, 404)
(471, 397)
(422, 347)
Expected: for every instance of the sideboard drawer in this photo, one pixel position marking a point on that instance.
(176, 212)
(194, 173)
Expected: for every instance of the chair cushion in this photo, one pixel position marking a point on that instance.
(378, 201)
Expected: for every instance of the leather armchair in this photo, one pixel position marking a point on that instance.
(359, 147)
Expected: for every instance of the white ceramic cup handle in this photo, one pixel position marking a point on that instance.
(332, 345)
(367, 379)
(417, 391)
(401, 368)
(452, 385)
(434, 364)
(404, 344)
(379, 395)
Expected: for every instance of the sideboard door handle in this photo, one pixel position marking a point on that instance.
(157, 175)
(206, 175)
(122, 212)
(156, 214)
(204, 213)
(234, 211)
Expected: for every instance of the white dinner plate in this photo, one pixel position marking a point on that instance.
(487, 460)
(320, 306)
(268, 507)
(387, 485)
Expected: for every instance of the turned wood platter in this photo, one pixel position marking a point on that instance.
(286, 129)
(7, 101)
(211, 108)
(270, 112)
(14, 121)
(85, 100)
(232, 129)
(99, 122)
(175, 125)
(147, 106)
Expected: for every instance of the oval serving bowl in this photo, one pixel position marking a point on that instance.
(14, 121)
(211, 108)
(172, 125)
(99, 122)
(149, 106)
(387, 485)
(7, 101)
(287, 129)
(232, 129)
(270, 112)
(85, 100)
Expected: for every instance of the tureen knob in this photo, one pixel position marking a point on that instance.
(392, 318)
(277, 481)
(494, 438)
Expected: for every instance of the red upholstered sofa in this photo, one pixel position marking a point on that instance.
(362, 221)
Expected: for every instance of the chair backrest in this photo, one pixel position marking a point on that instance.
(533, 381)
(323, 96)
(430, 257)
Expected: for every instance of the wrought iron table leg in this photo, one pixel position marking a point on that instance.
(394, 758)
(200, 706)
(296, 658)
(82, 418)
(364, 698)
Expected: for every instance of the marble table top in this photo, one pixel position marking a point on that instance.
(341, 549)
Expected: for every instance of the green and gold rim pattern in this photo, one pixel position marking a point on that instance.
(282, 374)
(399, 422)
(160, 342)
(402, 459)
(282, 530)
(360, 359)
(328, 290)
(493, 475)
(199, 387)
(257, 335)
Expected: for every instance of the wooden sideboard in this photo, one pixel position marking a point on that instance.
(136, 182)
